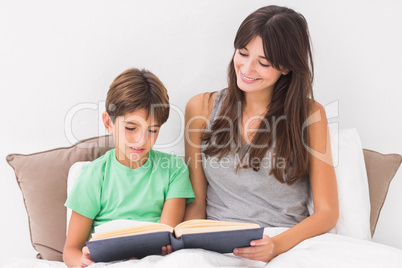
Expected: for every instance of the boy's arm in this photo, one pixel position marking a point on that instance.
(173, 211)
(172, 214)
(79, 230)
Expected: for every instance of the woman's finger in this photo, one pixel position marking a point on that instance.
(263, 241)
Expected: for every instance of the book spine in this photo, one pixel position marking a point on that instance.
(177, 243)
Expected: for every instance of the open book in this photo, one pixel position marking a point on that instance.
(143, 239)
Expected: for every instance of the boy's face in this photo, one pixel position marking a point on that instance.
(134, 135)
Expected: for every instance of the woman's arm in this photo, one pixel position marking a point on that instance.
(324, 191)
(198, 110)
(74, 253)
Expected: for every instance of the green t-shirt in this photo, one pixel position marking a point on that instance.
(107, 190)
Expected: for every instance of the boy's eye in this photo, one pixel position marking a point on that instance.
(130, 128)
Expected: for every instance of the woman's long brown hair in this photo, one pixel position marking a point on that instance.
(286, 43)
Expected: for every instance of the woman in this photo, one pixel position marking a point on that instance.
(256, 148)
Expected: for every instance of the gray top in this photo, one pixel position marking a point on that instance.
(250, 196)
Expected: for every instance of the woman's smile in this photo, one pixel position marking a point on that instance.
(248, 80)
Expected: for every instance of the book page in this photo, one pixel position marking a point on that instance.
(118, 224)
(207, 226)
(118, 228)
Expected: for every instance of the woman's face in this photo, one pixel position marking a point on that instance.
(254, 72)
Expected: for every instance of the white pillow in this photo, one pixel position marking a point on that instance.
(353, 192)
(73, 173)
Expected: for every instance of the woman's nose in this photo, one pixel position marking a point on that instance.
(248, 67)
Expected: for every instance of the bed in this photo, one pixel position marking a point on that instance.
(363, 178)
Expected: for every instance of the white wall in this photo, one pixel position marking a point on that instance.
(55, 55)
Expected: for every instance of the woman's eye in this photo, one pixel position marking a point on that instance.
(130, 128)
(242, 54)
(264, 65)
(152, 131)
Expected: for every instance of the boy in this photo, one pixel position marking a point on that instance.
(130, 181)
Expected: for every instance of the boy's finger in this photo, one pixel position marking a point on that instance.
(169, 249)
(85, 252)
(164, 251)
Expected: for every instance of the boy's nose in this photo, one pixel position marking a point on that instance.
(141, 139)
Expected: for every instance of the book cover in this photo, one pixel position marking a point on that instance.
(120, 245)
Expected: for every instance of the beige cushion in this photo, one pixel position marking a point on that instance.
(380, 171)
(42, 178)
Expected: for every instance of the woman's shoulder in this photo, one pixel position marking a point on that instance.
(317, 111)
(201, 104)
(317, 123)
(316, 106)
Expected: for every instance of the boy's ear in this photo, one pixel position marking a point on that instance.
(107, 121)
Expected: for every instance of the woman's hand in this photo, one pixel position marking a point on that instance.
(86, 258)
(260, 250)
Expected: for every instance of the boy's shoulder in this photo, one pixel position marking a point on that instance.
(94, 170)
(171, 159)
(100, 161)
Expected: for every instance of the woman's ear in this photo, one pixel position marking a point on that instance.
(285, 71)
(107, 121)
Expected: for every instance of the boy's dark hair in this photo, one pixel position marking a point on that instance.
(136, 89)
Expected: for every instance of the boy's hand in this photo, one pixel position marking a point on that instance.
(260, 250)
(167, 250)
(86, 258)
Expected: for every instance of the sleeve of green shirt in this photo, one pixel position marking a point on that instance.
(179, 181)
(84, 197)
